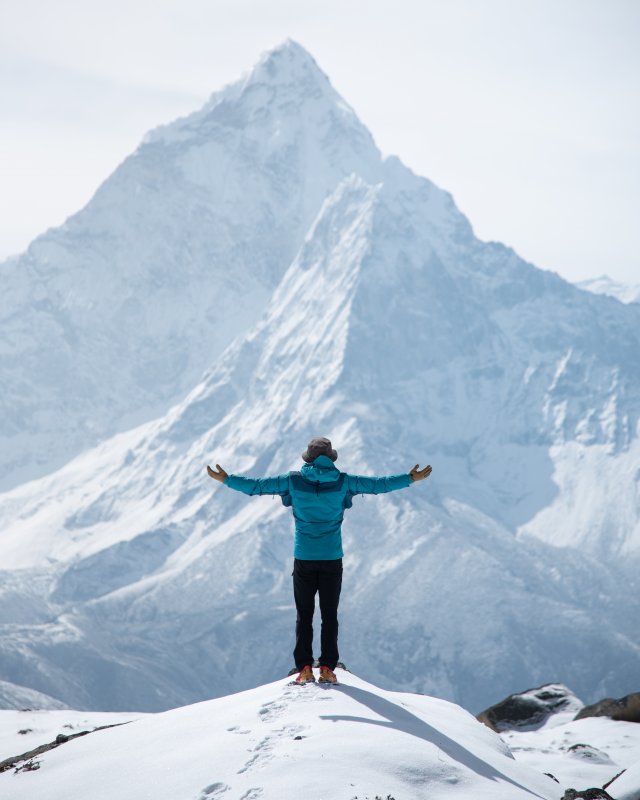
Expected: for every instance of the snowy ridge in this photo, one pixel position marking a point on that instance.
(282, 741)
(348, 741)
(13, 696)
(625, 293)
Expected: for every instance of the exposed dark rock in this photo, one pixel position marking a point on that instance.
(29, 757)
(529, 709)
(29, 766)
(626, 709)
(615, 777)
(586, 794)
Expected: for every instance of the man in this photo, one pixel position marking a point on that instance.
(318, 496)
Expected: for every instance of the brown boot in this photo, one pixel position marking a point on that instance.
(327, 675)
(305, 675)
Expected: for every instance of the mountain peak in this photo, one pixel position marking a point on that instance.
(287, 63)
(285, 88)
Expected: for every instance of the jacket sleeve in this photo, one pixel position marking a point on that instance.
(360, 484)
(277, 485)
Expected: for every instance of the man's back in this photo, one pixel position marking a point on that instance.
(318, 495)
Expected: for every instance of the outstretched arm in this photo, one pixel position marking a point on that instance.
(277, 485)
(362, 484)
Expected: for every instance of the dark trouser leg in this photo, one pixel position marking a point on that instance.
(305, 585)
(329, 585)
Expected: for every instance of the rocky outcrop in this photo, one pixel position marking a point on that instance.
(529, 709)
(626, 709)
(27, 761)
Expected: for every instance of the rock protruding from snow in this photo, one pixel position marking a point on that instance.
(531, 709)
(587, 794)
(588, 752)
(625, 709)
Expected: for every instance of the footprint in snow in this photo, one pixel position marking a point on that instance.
(262, 752)
(213, 791)
(271, 710)
(252, 794)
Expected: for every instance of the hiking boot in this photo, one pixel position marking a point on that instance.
(327, 675)
(305, 675)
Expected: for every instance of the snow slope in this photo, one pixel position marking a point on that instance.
(13, 696)
(28, 728)
(130, 578)
(627, 786)
(580, 755)
(282, 741)
(351, 741)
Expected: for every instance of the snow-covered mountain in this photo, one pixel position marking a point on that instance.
(605, 285)
(130, 580)
(109, 319)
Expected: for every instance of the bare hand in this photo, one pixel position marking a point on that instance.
(418, 474)
(220, 475)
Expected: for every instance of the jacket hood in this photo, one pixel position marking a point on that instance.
(322, 469)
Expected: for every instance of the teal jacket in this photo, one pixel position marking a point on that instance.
(318, 496)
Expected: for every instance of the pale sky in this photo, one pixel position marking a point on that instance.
(527, 111)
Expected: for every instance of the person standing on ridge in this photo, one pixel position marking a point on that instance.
(318, 495)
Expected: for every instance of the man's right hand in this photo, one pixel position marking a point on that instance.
(220, 475)
(418, 474)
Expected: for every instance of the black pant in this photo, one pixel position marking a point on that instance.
(324, 577)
